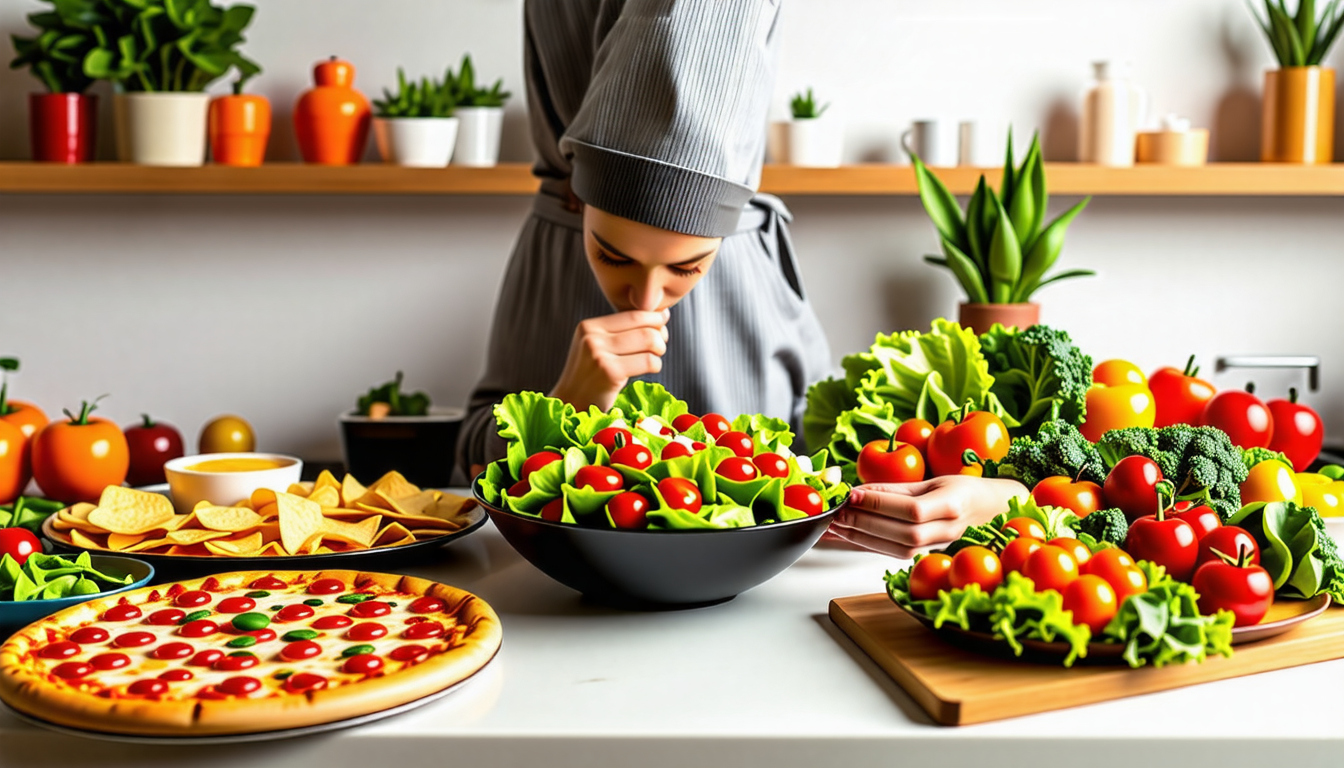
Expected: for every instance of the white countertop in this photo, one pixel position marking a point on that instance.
(764, 679)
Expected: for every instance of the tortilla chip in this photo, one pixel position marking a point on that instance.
(325, 480)
(235, 546)
(449, 505)
(327, 496)
(351, 489)
(126, 510)
(189, 550)
(78, 511)
(416, 504)
(300, 521)
(83, 541)
(148, 545)
(392, 534)
(119, 541)
(228, 519)
(194, 536)
(361, 533)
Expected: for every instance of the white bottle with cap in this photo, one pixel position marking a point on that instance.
(1113, 110)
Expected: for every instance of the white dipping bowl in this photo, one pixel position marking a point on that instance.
(192, 486)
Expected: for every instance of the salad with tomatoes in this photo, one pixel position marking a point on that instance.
(650, 464)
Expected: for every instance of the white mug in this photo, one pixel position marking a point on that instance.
(934, 141)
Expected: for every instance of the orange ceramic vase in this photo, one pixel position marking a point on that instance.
(332, 119)
(239, 127)
(1297, 124)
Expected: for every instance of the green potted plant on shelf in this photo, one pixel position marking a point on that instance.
(480, 115)
(810, 139)
(391, 428)
(1001, 248)
(1297, 121)
(160, 55)
(63, 122)
(415, 126)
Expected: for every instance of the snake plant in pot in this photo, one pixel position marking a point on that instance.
(811, 139)
(480, 115)
(1297, 119)
(1000, 248)
(63, 121)
(415, 126)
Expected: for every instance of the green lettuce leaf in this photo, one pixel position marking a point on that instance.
(650, 399)
(532, 422)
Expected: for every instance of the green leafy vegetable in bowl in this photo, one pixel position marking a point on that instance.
(389, 400)
(28, 512)
(1295, 549)
(48, 577)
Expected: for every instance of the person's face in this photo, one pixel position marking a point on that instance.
(643, 267)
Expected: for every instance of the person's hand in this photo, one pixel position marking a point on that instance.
(904, 519)
(608, 351)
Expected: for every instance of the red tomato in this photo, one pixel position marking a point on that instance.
(915, 432)
(1132, 486)
(737, 468)
(803, 498)
(1242, 416)
(18, 543)
(981, 432)
(554, 511)
(1200, 517)
(75, 459)
(1180, 398)
(771, 464)
(14, 470)
(715, 424)
(1092, 601)
(1074, 547)
(151, 444)
(1240, 587)
(1016, 552)
(1118, 569)
(680, 493)
(633, 455)
(1025, 526)
(1167, 541)
(1082, 497)
(739, 442)
(674, 450)
(1050, 567)
(602, 479)
(976, 565)
(1298, 431)
(608, 437)
(537, 461)
(1231, 540)
(684, 422)
(890, 461)
(930, 575)
(519, 489)
(628, 510)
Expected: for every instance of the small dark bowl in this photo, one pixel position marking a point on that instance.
(423, 448)
(658, 570)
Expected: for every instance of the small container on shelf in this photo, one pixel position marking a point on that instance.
(1175, 143)
(1113, 109)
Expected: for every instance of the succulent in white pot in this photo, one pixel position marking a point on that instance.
(810, 139)
(480, 112)
(415, 127)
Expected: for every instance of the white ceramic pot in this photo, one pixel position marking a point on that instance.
(417, 142)
(161, 128)
(816, 142)
(478, 136)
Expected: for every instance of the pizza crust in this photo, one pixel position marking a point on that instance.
(30, 694)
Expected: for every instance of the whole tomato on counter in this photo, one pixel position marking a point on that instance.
(1119, 570)
(1092, 600)
(1116, 400)
(227, 434)
(1168, 541)
(1179, 397)
(890, 461)
(1200, 517)
(1237, 585)
(1081, 497)
(1131, 486)
(980, 432)
(915, 432)
(19, 421)
(18, 543)
(151, 443)
(930, 575)
(1298, 431)
(1242, 416)
(1227, 539)
(75, 459)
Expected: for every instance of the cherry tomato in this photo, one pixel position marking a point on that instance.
(1118, 569)
(1270, 480)
(976, 565)
(737, 468)
(151, 444)
(76, 458)
(1200, 517)
(15, 460)
(227, 434)
(1050, 567)
(980, 432)
(120, 612)
(1242, 416)
(1230, 540)
(1081, 497)
(803, 498)
(607, 438)
(1179, 397)
(1081, 554)
(628, 509)
(520, 489)
(1245, 589)
(362, 664)
(633, 455)
(1298, 431)
(738, 442)
(1132, 486)
(147, 688)
(915, 432)
(675, 450)
(1025, 526)
(715, 424)
(684, 422)
(1114, 373)
(536, 461)
(930, 575)
(1167, 541)
(1116, 407)
(19, 543)
(680, 493)
(554, 510)
(239, 686)
(1016, 552)
(601, 479)
(771, 464)
(1092, 601)
(890, 461)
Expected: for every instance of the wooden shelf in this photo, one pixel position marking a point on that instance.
(1220, 179)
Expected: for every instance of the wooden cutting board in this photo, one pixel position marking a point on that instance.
(958, 687)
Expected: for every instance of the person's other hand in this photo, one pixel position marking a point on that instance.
(608, 351)
(904, 519)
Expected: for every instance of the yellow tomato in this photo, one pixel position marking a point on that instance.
(1113, 373)
(1270, 481)
(1115, 407)
(1321, 492)
(227, 434)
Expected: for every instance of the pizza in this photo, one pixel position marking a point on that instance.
(247, 652)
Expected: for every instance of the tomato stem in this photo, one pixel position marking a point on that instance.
(1250, 387)
(1292, 397)
(148, 421)
(86, 408)
(1167, 489)
(1190, 368)
(891, 443)
(969, 457)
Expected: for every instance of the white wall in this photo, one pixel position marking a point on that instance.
(285, 308)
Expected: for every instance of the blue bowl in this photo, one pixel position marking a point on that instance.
(15, 615)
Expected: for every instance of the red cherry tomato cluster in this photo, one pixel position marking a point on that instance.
(918, 449)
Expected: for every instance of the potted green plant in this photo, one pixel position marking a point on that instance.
(1297, 119)
(391, 429)
(62, 122)
(415, 126)
(160, 55)
(480, 114)
(1000, 248)
(809, 139)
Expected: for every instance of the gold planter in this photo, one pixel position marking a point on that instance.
(1297, 124)
(981, 317)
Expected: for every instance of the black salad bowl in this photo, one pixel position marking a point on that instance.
(658, 570)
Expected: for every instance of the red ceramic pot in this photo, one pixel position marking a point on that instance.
(63, 127)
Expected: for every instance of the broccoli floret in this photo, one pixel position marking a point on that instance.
(1252, 456)
(1108, 525)
(1039, 375)
(1333, 579)
(1201, 462)
(1057, 449)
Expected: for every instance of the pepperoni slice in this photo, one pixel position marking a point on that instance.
(239, 686)
(235, 663)
(363, 664)
(149, 687)
(268, 582)
(166, 617)
(177, 675)
(61, 650)
(426, 604)
(333, 622)
(370, 609)
(423, 631)
(121, 613)
(172, 651)
(236, 605)
(206, 658)
(369, 630)
(300, 650)
(107, 661)
(134, 639)
(198, 628)
(304, 681)
(90, 635)
(295, 612)
(408, 653)
(326, 587)
(71, 670)
(193, 599)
